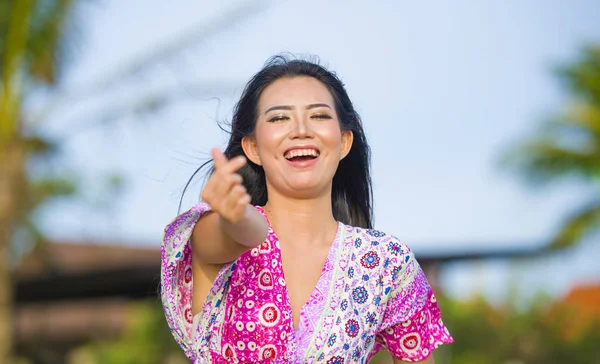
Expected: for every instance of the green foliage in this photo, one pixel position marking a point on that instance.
(483, 333)
(568, 147)
(582, 223)
(36, 41)
(534, 334)
(41, 186)
(146, 339)
(584, 78)
(47, 46)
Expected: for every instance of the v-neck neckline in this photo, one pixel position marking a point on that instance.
(329, 259)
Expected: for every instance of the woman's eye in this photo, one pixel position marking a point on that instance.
(278, 118)
(321, 116)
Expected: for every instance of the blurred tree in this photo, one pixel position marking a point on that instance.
(32, 53)
(146, 339)
(36, 40)
(533, 333)
(568, 146)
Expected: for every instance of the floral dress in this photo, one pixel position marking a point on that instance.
(371, 295)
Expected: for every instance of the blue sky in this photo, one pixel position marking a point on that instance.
(442, 88)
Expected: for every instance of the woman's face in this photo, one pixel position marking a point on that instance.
(298, 140)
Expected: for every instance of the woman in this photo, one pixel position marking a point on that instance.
(279, 263)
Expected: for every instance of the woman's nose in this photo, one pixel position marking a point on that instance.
(301, 128)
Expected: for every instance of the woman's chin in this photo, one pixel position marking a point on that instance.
(305, 190)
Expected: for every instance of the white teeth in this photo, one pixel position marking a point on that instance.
(301, 153)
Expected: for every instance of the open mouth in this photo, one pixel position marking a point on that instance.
(300, 155)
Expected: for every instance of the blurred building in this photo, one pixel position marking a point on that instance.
(68, 294)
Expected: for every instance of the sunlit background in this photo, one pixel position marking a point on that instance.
(484, 124)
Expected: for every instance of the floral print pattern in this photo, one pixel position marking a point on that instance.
(371, 295)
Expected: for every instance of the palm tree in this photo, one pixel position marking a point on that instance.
(568, 147)
(32, 51)
(35, 36)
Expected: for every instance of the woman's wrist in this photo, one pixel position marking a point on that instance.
(250, 231)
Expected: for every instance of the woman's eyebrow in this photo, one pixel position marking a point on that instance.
(290, 107)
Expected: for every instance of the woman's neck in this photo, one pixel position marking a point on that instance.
(308, 221)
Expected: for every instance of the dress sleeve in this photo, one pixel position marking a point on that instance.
(176, 275)
(411, 326)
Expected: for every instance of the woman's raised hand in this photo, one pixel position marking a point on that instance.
(224, 191)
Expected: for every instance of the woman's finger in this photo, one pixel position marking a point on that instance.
(222, 184)
(236, 192)
(236, 179)
(233, 197)
(233, 165)
(246, 199)
(218, 157)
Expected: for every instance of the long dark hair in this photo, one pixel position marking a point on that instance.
(352, 193)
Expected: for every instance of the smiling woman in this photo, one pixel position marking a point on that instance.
(279, 262)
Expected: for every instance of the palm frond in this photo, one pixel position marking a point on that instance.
(48, 42)
(563, 147)
(50, 187)
(586, 116)
(579, 225)
(49, 39)
(5, 7)
(583, 78)
(543, 161)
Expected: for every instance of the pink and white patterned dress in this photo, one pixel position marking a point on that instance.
(372, 295)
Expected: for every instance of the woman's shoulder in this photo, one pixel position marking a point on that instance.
(380, 259)
(384, 244)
